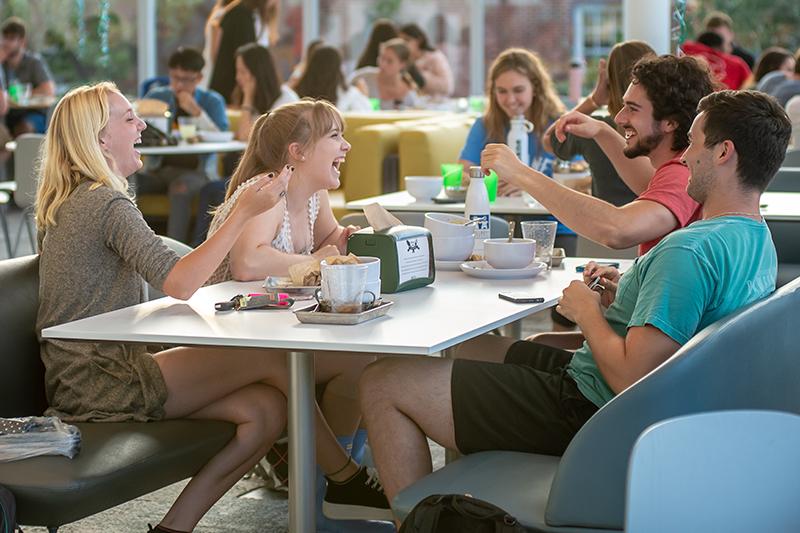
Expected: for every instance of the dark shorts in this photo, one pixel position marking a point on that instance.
(528, 404)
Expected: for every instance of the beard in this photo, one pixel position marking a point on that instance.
(644, 146)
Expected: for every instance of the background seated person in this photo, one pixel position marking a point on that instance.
(21, 66)
(258, 87)
(395, 87)
(541, 396)
(305, 137)
(432, 64)
(518, 85)
(323, 78)
(613, 79)
(182, 176)
(367, 64)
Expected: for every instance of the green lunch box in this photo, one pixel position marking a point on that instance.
(406, 254)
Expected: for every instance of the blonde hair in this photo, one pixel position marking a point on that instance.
(545, 106)
(304, 122)
(71, 152)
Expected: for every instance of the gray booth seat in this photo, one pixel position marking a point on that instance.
(746, 361)
(117, 461)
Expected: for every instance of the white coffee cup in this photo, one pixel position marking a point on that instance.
(342, 287)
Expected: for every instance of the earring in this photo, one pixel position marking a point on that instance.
(302, 158)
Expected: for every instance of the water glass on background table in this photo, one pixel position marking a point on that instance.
(544, 233)
(187, 127)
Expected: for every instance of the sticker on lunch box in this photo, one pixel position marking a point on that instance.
(413, 259)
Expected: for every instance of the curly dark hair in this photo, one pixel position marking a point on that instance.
(675, 86)
(757, 126)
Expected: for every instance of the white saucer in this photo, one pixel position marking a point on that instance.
(448, 265)
(482, 269)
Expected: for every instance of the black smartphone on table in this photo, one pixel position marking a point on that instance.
(520, 298)
(615, 264)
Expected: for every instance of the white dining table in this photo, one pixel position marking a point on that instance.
(404, 202)
(774, 205)
(422, 322)
(781, 206)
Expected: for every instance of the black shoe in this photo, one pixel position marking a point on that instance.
(278, 465)
(359, 498)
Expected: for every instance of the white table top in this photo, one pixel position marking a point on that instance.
(179, 149)
(183, 148)
(781, 206)
(402, 201)
(423, 321)
(774, 205)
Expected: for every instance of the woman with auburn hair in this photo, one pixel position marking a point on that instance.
(518, 85)
(96, 251)
(775, 65)
(323, 78)
(613, 78)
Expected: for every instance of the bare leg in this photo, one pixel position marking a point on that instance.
(403, 400)
(341, 373)
(259, 412)
(241, 386)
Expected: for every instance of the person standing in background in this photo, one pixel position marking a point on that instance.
(434, 69)
(211, 33)
(246, 22)
(26, 68)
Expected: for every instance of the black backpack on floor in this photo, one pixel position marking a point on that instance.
(8, 511)
(448, 513)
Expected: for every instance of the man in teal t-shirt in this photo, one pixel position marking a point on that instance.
(540, 396)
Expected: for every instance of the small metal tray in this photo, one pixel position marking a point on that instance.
(284, 284)
(311, 315)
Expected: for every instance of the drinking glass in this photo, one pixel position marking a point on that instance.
(544, 233)
(343, 286)
(187, 127)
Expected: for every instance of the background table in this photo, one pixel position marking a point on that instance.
(455, 308)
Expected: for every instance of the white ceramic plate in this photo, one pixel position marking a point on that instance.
(482, 269)
(448, 265)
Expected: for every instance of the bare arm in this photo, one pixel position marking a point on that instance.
(47, 88)
(615, 227)
(636, 173)
(622, 361)
(194, 269)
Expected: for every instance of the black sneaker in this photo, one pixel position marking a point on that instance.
(359, 498)
(277, 465)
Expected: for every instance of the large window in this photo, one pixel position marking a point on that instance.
(561, 32)
(347, 24)
(82, 40)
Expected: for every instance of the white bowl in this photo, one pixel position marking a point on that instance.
(423, 187)
(500, 253)
(447, 225)
(374, 264)
(215, 136)
(452, 248)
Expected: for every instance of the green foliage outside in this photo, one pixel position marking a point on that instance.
(758, 24)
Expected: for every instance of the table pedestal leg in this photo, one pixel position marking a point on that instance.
(302, 444)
